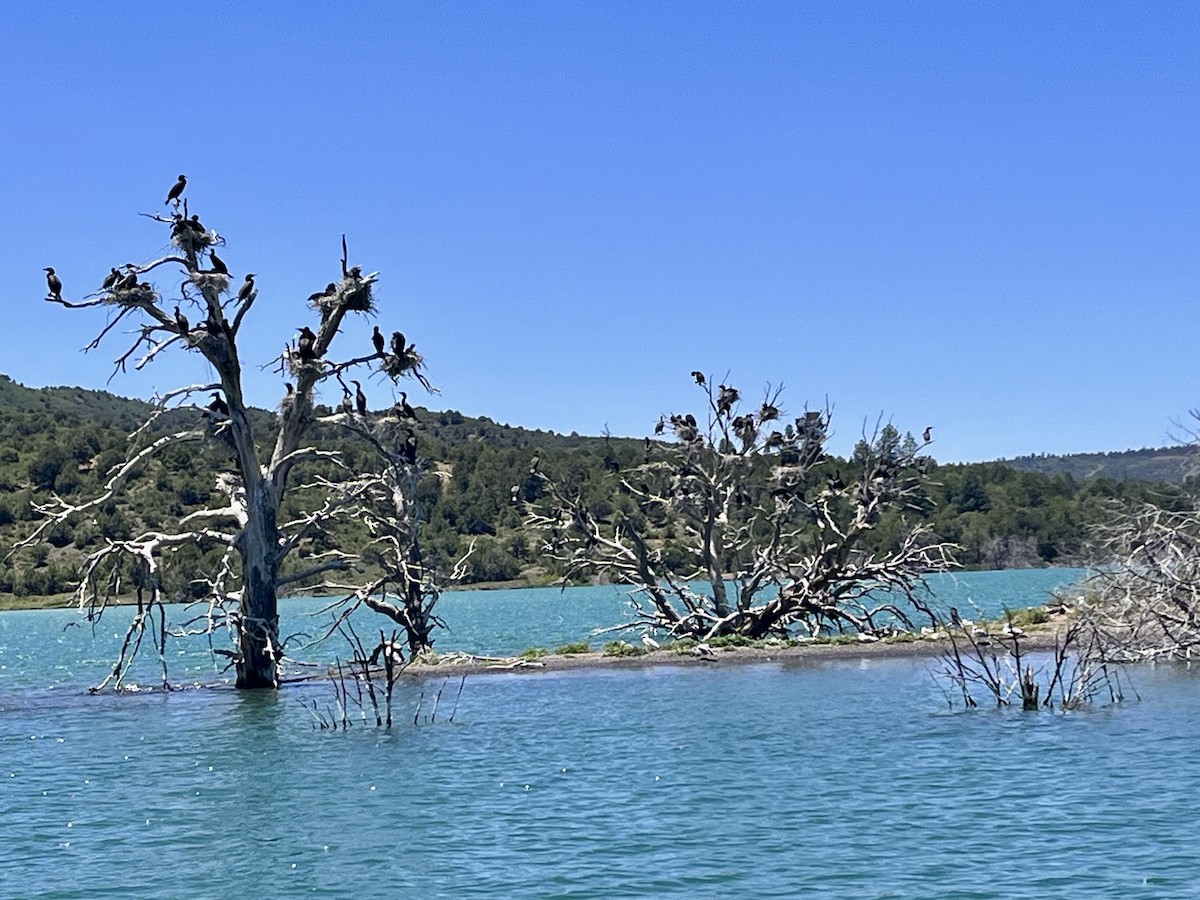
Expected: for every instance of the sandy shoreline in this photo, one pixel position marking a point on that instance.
(452, 666)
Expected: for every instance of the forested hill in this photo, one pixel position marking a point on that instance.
(1029, 512)
(1171, 465)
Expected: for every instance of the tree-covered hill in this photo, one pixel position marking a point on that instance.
(1171, 465)
(64, 440)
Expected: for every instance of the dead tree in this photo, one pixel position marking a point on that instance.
(406, 591)
(1145, 599)
(775, 531)
(994, 662)
(242, 592)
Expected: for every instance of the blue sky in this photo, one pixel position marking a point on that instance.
(980, 217)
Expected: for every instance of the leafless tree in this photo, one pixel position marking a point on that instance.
(1145, 599)
(243, 590)
(996, 662)
(776, 532)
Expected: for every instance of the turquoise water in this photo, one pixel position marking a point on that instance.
(846, 779)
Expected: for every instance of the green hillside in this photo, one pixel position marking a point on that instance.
(1031, 511)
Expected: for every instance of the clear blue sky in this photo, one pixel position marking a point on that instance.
(980, 217)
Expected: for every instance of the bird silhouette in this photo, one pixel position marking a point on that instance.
(54, 284)
(247, 288)
(176, 191)
(377, 340)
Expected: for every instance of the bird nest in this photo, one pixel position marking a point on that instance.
(142, 294)
(352, 295)
(396, 365)
(295, 365)
(192, 237)
(213, 280)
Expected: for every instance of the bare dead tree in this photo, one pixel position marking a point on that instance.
(1145, 599)
(243, 590)
(775, 531)
(996, 663)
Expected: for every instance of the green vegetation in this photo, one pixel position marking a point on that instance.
(65, 439)
(573, 649)
(533, 653)
(622, 648)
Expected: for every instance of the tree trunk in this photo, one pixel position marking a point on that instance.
(258, 641)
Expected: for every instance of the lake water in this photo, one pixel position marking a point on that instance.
(848, 779)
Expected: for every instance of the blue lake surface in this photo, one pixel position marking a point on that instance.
(839, 779)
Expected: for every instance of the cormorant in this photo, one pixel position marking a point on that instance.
(662, 424)
(110, 280)
(355, 272)
(927, 435)
(176, 190)
(397, 343)
(54, 284)
(955, 618)
(699, 376)
(218, 265)
(305, 344)
(247, 288)
(768, 412)
(347, 402)
(194, 224)
(288, 397)
(360, 399)
(129, 282)
(409, 452)
(726, 399)
(377, 340)
(406, 411)
(218, 405)
(181, 320)
(330, 290)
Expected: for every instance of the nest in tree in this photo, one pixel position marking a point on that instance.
(213, 280)
(352, 295)
(192, 240)
(409, 362)
(295, 365)
(139, 295)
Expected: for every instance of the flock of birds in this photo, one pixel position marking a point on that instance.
(307, 348)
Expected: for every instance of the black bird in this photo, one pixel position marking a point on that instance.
(194, 224)
(927, 435)
(330, 290)
(347, 402)
(403, 410)
(176, 190)
(662, 424)
(110, 280)
(360, 399)
(699, 376)
(726, 399)
(129, 282)
(397, 343)
(355, 272)
(54, 284)
(247, 288)
(955, 618)
(377, 340)
(409, 453)
(218, 265)
(305, 344)
(218, 405)
(181, 320)
(288, 397)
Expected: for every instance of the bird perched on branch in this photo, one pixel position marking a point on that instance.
(377, 340)
(699, 376)
(927, 434)
(305, 344)
(217, 263)
(110, 280)
(360, 399)
(347, 402)
(247, 288)
(181, 321)
(129, 282)
(403, 410)
(397, 343)
(176, 191)
(726, 399)
(54, 284)
(218, 405)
